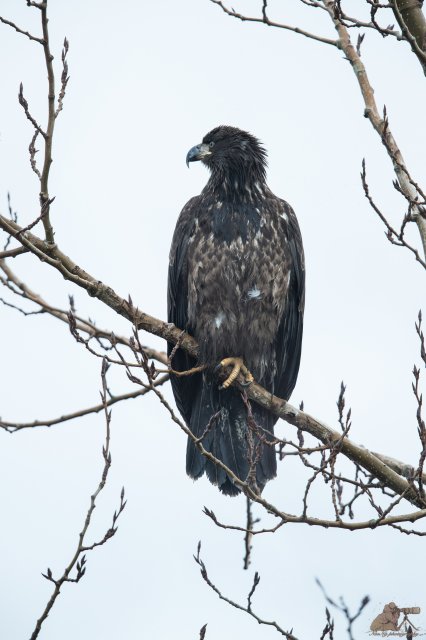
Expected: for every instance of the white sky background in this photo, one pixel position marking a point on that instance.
(148, 80)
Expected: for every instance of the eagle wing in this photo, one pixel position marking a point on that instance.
(184, 388)
(288, 344)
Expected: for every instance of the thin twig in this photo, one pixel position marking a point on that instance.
(343, 608)
(64, 78)
(248, 533)
(13, 427)
(395, 237)
(24, 104)
(18, 287)
(270, 23)
(48, 138)
(247, 609)
(19, 30)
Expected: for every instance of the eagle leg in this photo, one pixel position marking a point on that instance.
(238, 367)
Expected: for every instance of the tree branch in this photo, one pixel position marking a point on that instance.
(408, 187)
(78, 560)
(82, 324)
(12, 253)
(270, 23)
(12, 427)
(247, 609)
(55, 258)
(412, 22)
(25, 33)
(410, 192)
(48, 140)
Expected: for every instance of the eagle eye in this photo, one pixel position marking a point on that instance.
(211, 144)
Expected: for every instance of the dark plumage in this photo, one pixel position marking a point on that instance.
(236, 283)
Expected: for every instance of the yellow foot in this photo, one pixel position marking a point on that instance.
(238, 367)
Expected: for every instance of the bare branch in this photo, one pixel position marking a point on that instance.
(38, 5)
(13, 216)
(412, 22)
(270, 23)
(343, 608)
(419, 332)
(13, 427)
(25, 33)
(395, 237)
(286, 518)
(48, 138)
(86, 326)
(44, 211)
(421, 428)
(33, 151)
(247, 609)
(301, 420)
(371, 112)
(64, 78)
(78, 560)
(12, 253)
(24, 104)
(408, 187)
(354, 23)
(248, 533)
(329, 627)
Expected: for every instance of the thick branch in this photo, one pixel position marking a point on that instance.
(54, 257)
(412, 22)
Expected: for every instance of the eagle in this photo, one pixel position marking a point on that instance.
(236, 283)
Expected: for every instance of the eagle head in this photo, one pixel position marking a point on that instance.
(228, 150)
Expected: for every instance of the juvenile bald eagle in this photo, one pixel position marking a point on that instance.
(236, 283)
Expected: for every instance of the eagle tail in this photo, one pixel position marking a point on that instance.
(220, 417)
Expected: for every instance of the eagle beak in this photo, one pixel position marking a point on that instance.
(198, 152)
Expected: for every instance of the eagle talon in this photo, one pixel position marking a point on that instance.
(238, 367)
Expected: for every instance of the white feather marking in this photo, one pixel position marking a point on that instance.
(219, 319)
(287, 279)
(254, 293)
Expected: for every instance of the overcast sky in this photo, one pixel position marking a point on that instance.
(148, 80)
